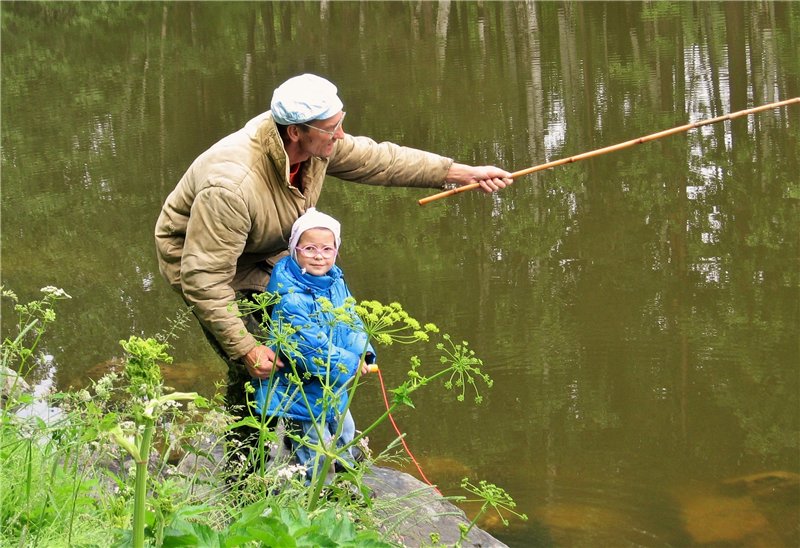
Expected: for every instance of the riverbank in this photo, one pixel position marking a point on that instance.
(406, 511)
(409, 512)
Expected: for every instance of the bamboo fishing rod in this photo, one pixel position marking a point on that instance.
(620, 146)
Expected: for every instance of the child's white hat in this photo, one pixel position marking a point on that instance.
(314, 219)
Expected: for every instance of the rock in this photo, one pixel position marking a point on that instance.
(768, 484)
(27, 402)
(412, 510)
(12, 384)
(757, 509)
(583, 523)
(408, 510)
(715, 519)
(180, 377)
(776, 494)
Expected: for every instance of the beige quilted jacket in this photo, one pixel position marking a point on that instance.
(228, 220)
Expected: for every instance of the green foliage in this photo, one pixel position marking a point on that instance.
(494, 496)
(142, 366)
(268, 524)
(32, 321)
(465, 368)
(95, 467)
(40, 493)
(45, 482)
(387, 325)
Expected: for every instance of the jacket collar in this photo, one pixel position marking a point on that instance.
(273, 144)
(313, 283)
(314, 170)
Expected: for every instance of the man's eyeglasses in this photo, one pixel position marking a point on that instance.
(325, 131)
(311, 251)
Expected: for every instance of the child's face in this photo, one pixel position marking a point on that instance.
(316, 251)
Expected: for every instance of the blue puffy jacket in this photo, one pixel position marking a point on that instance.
(338, 345)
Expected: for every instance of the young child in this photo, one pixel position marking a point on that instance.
(328, 352)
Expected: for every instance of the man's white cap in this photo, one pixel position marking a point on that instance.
(313, 219)
(304, 98)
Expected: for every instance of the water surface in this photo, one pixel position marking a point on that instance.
(638, 312)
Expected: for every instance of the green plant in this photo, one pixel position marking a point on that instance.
(490, 496)
(269, 524)
(19, 354)
(145, 386)
(46, 481)
(386, 325)
(103, 463)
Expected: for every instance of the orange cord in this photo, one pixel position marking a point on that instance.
(400, 434)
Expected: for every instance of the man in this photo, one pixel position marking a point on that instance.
(229, 218)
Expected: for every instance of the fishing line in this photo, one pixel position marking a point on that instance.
(400, 434)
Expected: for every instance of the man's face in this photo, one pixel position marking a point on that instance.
(320, 136)
(316, 251)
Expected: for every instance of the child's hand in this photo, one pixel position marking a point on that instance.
(368, 368)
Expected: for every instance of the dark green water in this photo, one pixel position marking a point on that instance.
(639, 312)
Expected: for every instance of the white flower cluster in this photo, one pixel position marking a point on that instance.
(55, 292)
(288, 472)
(104, 387)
